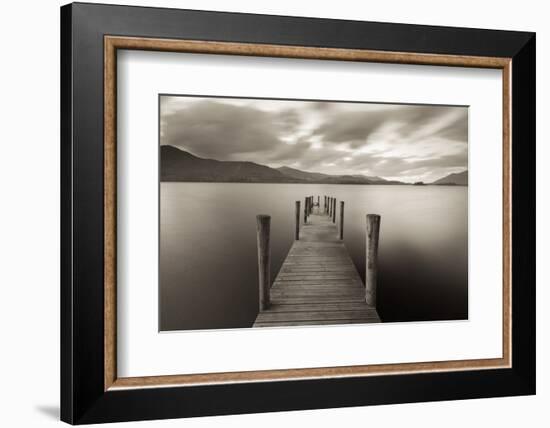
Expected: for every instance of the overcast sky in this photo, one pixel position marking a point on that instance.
(402, 142)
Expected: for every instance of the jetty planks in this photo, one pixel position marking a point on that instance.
(318, 283)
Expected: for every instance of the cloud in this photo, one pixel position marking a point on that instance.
(288, 121)
(355, 128)
(349, 127)
(221, 131)
(411, 169)
(458, 129)
(408, 142)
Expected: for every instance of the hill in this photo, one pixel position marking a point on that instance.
(180, 165)
(458, 179)
(301, 175)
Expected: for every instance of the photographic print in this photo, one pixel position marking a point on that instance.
(306, 185)
(282, 213)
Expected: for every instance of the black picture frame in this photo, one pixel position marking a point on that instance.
(83, 396)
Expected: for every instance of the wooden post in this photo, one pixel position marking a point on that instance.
(329, 206)
(325, 204)
(297, 236)
(341, 219)
(263, 223)
(318, 203)
(305, 210)
(334, 211)
(373, 233)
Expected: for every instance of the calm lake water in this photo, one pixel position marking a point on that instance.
(208, 261)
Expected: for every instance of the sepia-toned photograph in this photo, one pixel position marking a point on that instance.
(269, 213)
(285, 213)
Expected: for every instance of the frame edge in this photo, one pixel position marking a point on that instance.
(82, 401)
(66, 248)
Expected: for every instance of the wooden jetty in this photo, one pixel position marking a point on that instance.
(318, 283)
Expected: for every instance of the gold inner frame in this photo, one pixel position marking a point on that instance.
(113, 43)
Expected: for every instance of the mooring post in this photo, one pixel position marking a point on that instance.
(297, 237)
(263, 223)
(341, 219)
(329, 205)
(325, 204)
(318, 201)
(305, 210)
(373, 233)
(334, 211)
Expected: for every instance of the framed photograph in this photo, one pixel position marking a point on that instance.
(265, 213)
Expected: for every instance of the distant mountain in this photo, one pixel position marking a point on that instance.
(458, 179)
(302, 175)
(358, 179)
(179, 165)
(317, 177)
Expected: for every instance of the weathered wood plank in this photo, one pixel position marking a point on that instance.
(317, 296)
(314, 277)
(318, 283)
(319, 299)
(334, 285)
(316, 322)
(297, 307)
(331, 284)
(341, 273)
(319, 291)
(315, 315)
(291, 268)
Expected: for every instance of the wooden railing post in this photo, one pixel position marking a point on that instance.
(297, 237)
(305, 210)
(373, 233)
(318, 203)
(334, 210)
(263, 224)
(330, 206)
(341, 219)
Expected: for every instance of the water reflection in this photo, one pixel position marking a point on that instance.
(208, 276)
